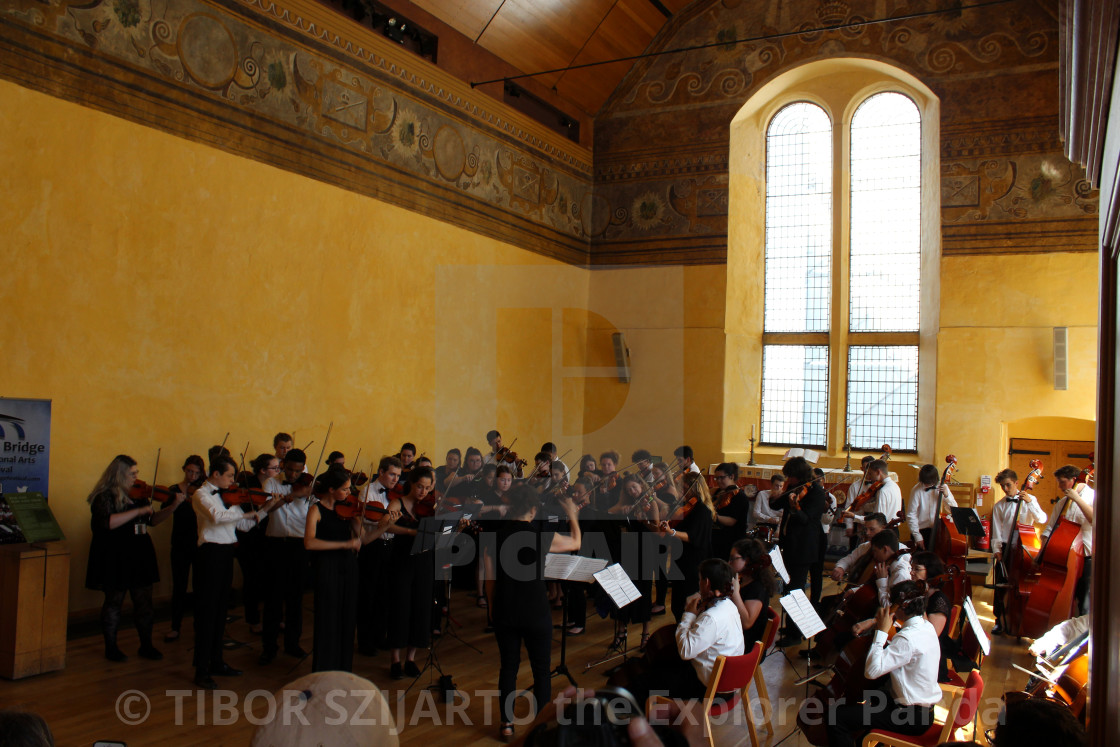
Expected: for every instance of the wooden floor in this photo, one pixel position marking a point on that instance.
(80, 703)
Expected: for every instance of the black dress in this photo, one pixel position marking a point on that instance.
(410, 588)
(184, 543)
(723, 537)
(336, 596)
(755, 590)
(119, 559)
(698, 526)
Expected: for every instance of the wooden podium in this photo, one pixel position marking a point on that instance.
(35, 589)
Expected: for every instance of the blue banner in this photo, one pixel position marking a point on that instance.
(25, 445)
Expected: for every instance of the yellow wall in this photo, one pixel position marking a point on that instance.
(162, 293)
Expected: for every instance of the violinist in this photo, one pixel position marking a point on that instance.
(410, 584)
(251, 550)
(643, 461)
(586, 465)
(732, 510)
(575, 592)
(803, 503)
(1079, 510)
(887, 499)
(631, 504)
(334, 543)
(762, 515)
(906, 704)
(553, 454)
(1004, 515)
(495, 440)
(122, 558)
(467, 488)
(495, 505)
(448, 469)
(755, 583)
(375, 566)
(854, 491)
(213, 570)
(921, 510)
(687, 459)
(335, 457)
(608, 488)
(284, 553)
(407, 455)
(541, 477)
(694, 532)
(184, 539)
(281, 444)
(667, 495)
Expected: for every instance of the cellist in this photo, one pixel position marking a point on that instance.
(1003, 523)
(1079, 510)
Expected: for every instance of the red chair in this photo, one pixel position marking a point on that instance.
(961, 710)
(768, 636)
(731, 677)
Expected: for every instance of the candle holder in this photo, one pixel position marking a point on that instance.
(752, 463)
(848, 463)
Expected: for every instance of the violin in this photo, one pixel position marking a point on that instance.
(237, 496)
(508, 456)
(142, 491)
(352, 508)
(303, 481)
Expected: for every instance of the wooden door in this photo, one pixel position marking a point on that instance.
(1053, 454)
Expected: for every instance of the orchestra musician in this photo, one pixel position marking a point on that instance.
(519, 609)
(1079, 510)
(762, 515)
(910, 658)
(643, 462)
(213, 570)
(641, 515)
(1003, 523)
(732, 509)
(800, 527)
(374, 565)
(586, 465)
(687, 458)
(851, 565)
(184, 539)
(755, 583)
(284, 555)
(281, 444)
(816, 568)
(888, 498)
(411, 580)
(122, 558)
(926, 567)
(448, 469)
(854, 490)
(921, 510)
(694, 532)
(333, 542)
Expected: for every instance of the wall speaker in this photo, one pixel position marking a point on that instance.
(621, 357)
(1061, 358)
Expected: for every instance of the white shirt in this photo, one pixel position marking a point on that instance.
(911, 658)
(379, 494)
(289, 519)
(1060, 635)
(922, 507)
(716, 632)
(889, 500)
(762, 513)
(897, 572)
(1003, 518)
(216, 523)
(845, 563)
(829, 514)
(1073, 513)
(694, 468)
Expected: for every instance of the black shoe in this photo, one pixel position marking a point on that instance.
(225, 670)
(150, 652)
(997, 630)
(171, 636)
(115, 654)
(205, 681)
(295, 651)
(411, 670)
(395, 671)
(267, 656)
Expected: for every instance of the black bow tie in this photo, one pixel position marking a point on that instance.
(1011, 500)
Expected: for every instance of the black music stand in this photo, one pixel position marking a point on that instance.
(967, 521)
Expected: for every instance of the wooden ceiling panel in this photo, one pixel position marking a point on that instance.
(539, 35)
(468, 17)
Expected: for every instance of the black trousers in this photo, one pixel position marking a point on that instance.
(141, 612)
(927, 537)
(537, 638)
(213, 574)
(373, 595)
(880, 711)
(182, 558)
(286, 562)
(250, 555)
(575, 597)
(410, 592)
(998, 604)
(1083, 587)
(816, 571)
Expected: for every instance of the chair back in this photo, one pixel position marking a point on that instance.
(970, 699)
(952, 624)
(770, 632)
(733, 673)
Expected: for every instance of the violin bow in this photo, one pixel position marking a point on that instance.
(241, 467)
(222, 447)
(152, 487)
(322, 451)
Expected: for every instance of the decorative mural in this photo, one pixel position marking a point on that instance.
(997, 167)
(406, 133)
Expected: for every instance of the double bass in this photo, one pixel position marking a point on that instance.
(1019, 552)
(948, 543)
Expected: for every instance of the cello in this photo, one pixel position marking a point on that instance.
(1059, 564)
(948, 543)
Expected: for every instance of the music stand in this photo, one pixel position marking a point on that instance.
(805, 617)
(967, 521)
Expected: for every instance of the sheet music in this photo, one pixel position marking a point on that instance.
(801, 611)
(571, 567)
(974, 621)
(779, 564)
(618, 585)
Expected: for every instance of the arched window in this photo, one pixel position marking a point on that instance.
(858, 335)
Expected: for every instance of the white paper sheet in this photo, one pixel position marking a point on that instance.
(974, 621)
(618, 585)
(572, 567)
(801, 611)
(779, 564)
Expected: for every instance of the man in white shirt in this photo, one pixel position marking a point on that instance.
(213, 568)
(761, 513)
(287, 560)
(850, 565)
(887, 499)
(921, 510)
(911, 659)
(1015, 505)
(373, 564)
(1079, 510)
(709, 628)
(891, 568)
(687, 459)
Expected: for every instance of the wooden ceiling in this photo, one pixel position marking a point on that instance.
(535, 35)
